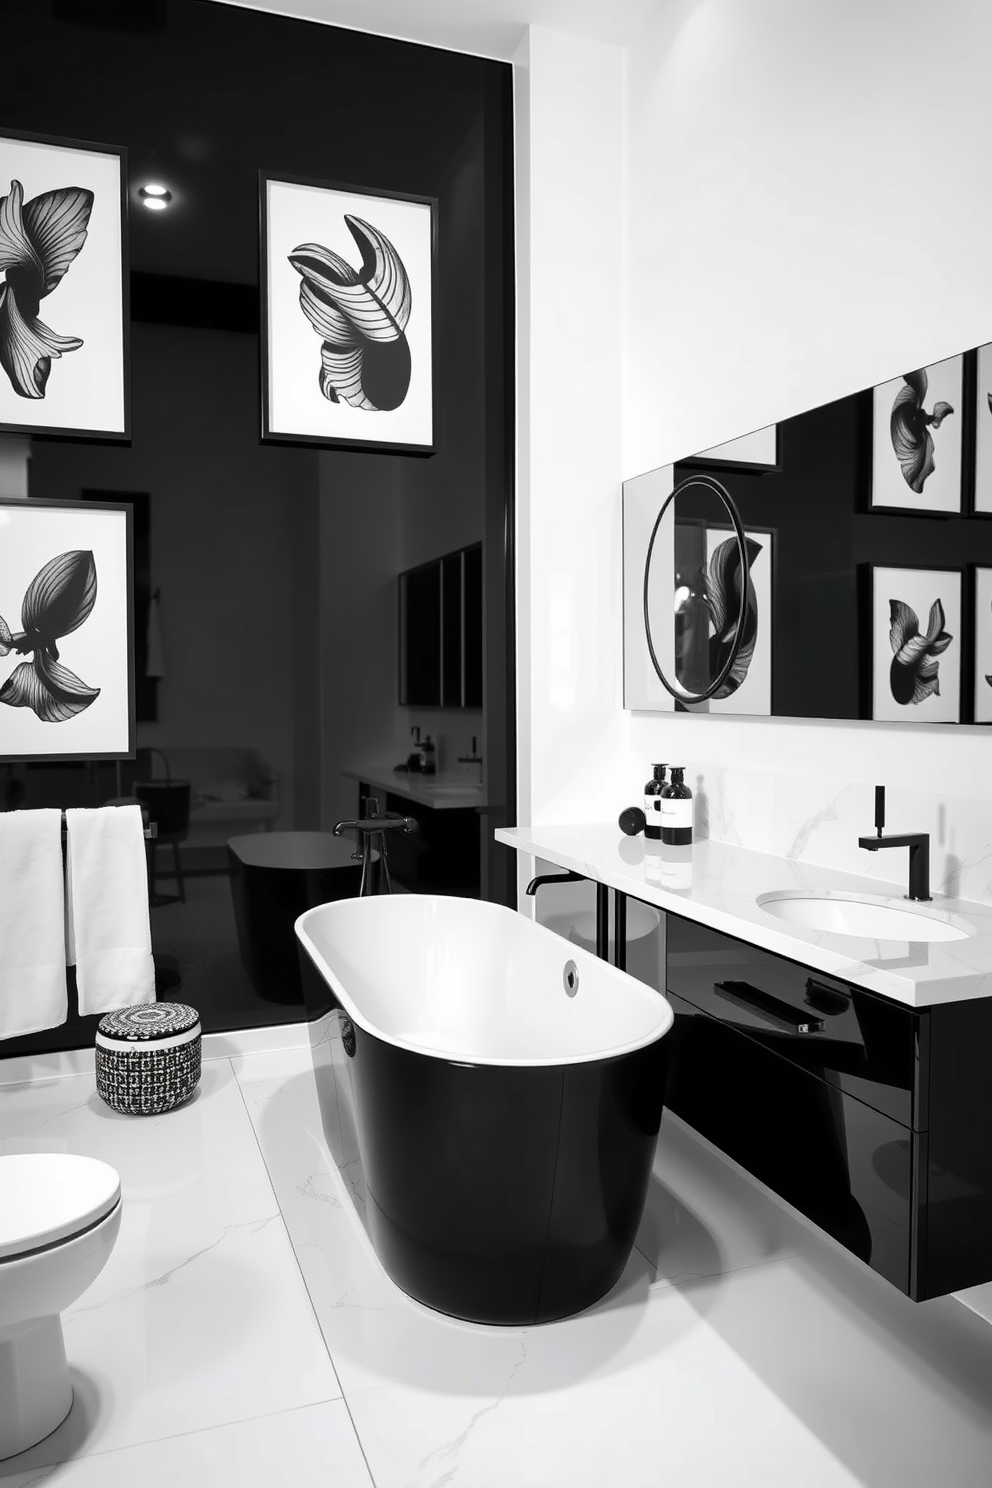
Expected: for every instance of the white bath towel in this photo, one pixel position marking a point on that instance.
(32, 922)
(108, 934)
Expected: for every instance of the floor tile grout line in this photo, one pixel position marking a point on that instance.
(313, 1308)
(151, 1441)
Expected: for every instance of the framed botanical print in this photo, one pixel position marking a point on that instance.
(347, 316)
(66, 631)
(982, 652)
(916, 645)
(917, 440)
(63, 288)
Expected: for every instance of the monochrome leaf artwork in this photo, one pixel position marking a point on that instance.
(39, 241)
(361, 316)
(722, 591)
(58, 599)
(913, 676)
(910, 426)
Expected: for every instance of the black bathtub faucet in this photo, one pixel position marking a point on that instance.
(917, 842)
(371, 850)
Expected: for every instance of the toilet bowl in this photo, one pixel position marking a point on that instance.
(59, 1218)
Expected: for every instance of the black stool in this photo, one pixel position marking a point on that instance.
(167, 803)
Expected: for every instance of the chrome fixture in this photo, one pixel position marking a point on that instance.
(371, 849)
(917, 842)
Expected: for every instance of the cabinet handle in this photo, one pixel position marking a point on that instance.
(756, 1001)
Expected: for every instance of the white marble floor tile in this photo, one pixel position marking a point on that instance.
(747, 1350)
(311, 1447)
(705, 1217)
(200, 1316)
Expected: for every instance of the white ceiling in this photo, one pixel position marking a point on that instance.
(487, 28)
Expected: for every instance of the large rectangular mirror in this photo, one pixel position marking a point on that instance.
(869, 572)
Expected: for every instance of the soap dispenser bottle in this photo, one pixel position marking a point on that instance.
(429, 756)
(676, 811)
(652, 803)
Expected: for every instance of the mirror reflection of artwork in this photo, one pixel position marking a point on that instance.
(983, 645)
(748, 689)
(983, 432)
(916, 645)
(916, 447)
(66, 632)
(63, 275)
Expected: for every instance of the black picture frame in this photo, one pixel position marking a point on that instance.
(120, 735)
(890, 492)
(711, 459)
(980, 631)
(109, 342)
(944, 705)
(292, 359)
(980, 502)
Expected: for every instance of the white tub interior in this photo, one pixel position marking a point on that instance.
(475, 981)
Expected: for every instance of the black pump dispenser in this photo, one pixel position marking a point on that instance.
(675, 809)
(653, 792)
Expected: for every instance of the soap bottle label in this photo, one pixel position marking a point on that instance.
(675, 814)
(652, 816)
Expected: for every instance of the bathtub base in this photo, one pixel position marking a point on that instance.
(505, 1195)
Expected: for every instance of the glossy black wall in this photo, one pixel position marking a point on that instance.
(203, 96)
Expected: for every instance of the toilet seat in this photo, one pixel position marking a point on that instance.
(50, 1198)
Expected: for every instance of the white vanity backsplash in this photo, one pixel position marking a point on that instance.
(818, 820)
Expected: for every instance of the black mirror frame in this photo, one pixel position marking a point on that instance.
(708, 482)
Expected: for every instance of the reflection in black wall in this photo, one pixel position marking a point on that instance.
(246, 541)
(826, 539)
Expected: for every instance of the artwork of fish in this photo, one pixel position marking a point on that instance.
(722, 592)
(910, 426)
(361, 317)
(913, 676)
(58, 600)
(38, 242)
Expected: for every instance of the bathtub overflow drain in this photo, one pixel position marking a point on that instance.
(570, 977)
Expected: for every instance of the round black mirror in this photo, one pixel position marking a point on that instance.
(700, 609)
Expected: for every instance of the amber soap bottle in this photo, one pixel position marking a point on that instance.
(653, 792)
(676, 810)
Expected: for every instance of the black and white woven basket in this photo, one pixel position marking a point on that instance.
(148, 1057)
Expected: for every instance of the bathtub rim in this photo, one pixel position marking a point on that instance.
(613, 1051)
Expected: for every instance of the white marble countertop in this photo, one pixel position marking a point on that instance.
(447, 791)
(721, 887)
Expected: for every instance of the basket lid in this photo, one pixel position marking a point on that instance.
(149, 1021)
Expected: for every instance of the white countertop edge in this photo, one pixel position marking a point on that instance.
(951, 971)
(446, 791)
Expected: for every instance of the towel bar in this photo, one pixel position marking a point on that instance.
(148, 832)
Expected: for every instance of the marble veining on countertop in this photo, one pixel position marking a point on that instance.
(448, 790)
(721, 887)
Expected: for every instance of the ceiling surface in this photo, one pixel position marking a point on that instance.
(486, 28)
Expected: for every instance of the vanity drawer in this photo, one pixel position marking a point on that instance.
(864, 1045)
(845, 1165)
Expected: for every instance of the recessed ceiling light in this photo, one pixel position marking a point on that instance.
(155, 197)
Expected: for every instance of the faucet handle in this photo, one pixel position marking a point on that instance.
(879, 809)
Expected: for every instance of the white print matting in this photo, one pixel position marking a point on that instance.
(895, 682)
(294, 407)
(983, 431)
(983, 645)
(86, 389)
(903, 450)
(98, 652)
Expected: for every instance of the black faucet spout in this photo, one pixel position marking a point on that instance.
(919, 858)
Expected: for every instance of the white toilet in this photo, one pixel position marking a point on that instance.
(59, 1217)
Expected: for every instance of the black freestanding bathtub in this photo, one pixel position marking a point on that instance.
(503, 1090)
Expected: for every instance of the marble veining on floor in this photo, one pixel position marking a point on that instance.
(243, 1331)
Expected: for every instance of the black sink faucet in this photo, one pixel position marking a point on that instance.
(917, 842)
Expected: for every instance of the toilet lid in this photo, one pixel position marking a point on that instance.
(50, 1196)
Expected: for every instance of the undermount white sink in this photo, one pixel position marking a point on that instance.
(868, 916)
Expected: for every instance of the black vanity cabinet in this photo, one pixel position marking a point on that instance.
(440, 631)
(872, 1118)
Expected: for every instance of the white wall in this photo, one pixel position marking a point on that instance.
(569, 263)
(805, 211)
